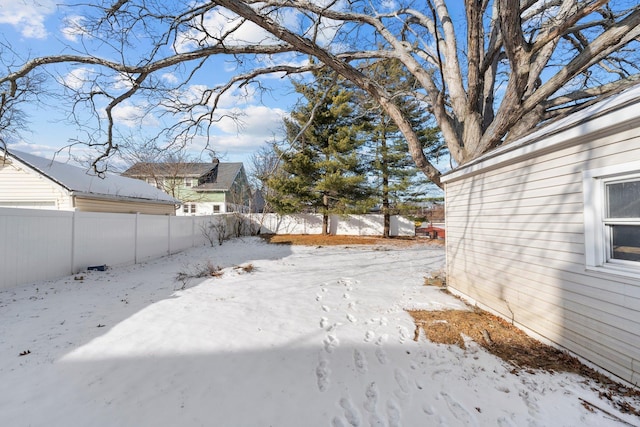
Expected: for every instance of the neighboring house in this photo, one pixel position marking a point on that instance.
(545, 231)
(204, 188)
(28, 181)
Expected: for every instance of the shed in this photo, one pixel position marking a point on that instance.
(29, 181)
(545, 232)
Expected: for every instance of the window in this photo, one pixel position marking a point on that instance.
(216, 208)
(189, 208)
(188, 182)
(622, 219)
(612, 219)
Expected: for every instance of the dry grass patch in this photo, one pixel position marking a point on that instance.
(512, 345)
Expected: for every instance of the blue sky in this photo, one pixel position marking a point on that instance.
(44, 27)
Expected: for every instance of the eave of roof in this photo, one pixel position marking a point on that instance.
(616, 111)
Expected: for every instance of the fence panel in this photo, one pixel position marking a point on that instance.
(182, 229)
(152, 237)
(34, 245)
(358, 225)
(101, 238)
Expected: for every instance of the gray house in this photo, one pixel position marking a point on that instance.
(545, 232)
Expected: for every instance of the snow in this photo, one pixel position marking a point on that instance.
(313, 336)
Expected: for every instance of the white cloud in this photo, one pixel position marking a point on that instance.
(27, 16)
(254, 120)
(72, 28)
(235, 141)
(77, 78)
(132, 116)
(170, 78)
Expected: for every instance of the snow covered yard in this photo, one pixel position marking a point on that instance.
(306, 337)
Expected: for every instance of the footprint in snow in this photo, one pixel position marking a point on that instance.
(350, 412)
(375, 421)
(337, 422)
(326, 308)
(330, 343)
(346, 295)
(360, 361)
(324, 322)
(403, 384)
(505, 422)
(381, 356)
(460, 412)
(371, 395)
(393, 411)
(404, 333)
(322, 375)
(351, 318)
(318, 297)
(352, 305)
(369, 336)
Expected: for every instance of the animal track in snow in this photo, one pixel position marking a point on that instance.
(369, 336)
(360, 361)
(352, 305)
(326, 308)
(382, 339)
(322, 375)
(330, 343)
(351, 318)
(346, 295)
(318, 297)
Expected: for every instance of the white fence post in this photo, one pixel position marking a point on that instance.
(73, 242)
(135, 243)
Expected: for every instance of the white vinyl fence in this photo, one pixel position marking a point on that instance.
(351, 225)
(42, 244)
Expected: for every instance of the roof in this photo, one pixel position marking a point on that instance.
(83, 182)
(223, 175)
(615, 110)
(226, 175)
(191, 169)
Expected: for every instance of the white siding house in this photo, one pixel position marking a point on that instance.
(28, 181)
(545, 232)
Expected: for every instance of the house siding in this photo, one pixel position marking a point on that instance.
(515, 245)
(85, 204)
(22, 187)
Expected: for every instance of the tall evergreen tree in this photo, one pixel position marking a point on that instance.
(322, 172)
(391, 168)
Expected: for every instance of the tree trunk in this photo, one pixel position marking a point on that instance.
(385, 186)
(325, 214)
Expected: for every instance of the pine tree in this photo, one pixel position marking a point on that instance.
(391, 168)
(320, 165)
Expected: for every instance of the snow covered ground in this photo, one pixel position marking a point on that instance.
(310, 337)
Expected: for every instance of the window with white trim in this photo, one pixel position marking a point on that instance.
(189, 208)
(622, 219)
(612, 218)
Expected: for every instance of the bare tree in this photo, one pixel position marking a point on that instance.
(489, 71)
